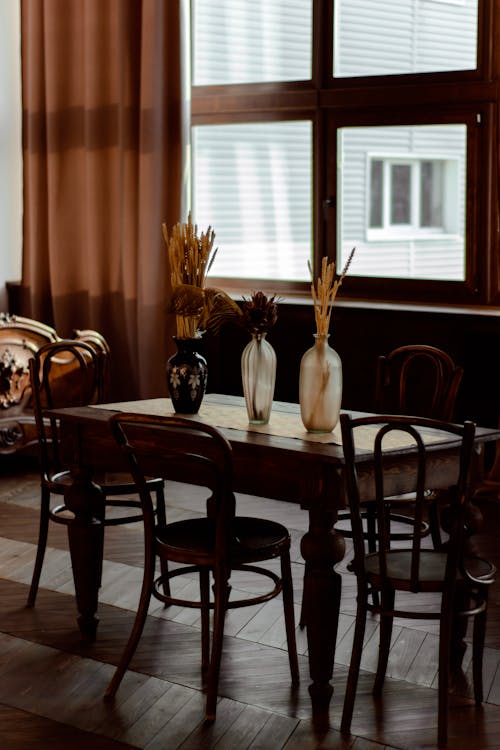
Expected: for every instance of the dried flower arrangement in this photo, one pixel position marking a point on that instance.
(259, 313)
(190, 258)
(324, 292)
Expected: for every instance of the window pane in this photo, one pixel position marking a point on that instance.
(431, 199)
(400, 194)
(421, 230)
(372, 37)
(242, 41)
(252, 183)
(376, 186)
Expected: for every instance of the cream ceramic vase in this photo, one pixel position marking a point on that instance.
(320, 386)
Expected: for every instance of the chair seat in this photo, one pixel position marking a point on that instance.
(431, 572)
(254, 539)
(114, 486)
(113, 483)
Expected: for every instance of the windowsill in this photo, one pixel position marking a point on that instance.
(380, 305)
(383, 235)
(302, 300)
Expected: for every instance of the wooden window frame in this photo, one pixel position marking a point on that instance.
(457, 96)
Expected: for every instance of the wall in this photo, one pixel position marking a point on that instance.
(10, 147)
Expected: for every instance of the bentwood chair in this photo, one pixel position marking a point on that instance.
(73, 373)
(419, 380)
(400, 576)
(211, 545)
(424, 381)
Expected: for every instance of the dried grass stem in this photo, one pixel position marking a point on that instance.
(324, 292)
(190, 256)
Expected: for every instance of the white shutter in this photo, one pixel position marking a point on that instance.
(252, 183)
(384, 37)
(251, 41)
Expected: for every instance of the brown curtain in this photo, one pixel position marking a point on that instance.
(103, 145)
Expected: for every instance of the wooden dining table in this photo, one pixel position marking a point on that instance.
(280, 460)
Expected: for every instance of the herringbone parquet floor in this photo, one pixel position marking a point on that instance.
(51, 684)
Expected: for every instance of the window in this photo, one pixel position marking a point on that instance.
(404, 209)
(319, 126)
(254, 185)
(407, 196)
(404, 36)
(238, 41)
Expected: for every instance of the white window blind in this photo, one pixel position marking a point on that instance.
(252, 183)
(404, 36)
(251, 41)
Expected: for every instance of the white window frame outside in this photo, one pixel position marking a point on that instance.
(413, 230)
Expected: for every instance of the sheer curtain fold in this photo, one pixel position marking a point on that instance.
(103, 143)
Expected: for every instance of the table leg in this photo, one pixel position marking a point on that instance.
(86, 540)
(321, 547)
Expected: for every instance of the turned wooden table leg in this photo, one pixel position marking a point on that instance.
(86, 539)
(321, 547)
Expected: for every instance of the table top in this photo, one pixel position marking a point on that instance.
(284, 430)
(294, 468)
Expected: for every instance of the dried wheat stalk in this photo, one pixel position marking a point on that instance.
(190, 258)
(324, 292)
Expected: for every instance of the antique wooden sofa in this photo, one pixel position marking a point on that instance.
(19, 339)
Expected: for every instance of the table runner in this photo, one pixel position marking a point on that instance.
(281, 423)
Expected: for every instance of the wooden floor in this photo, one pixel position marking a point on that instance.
(51, 685)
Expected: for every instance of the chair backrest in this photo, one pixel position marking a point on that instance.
(402, 433)
(417, 379)
(99, 343)
(187, 450)
(62, 373)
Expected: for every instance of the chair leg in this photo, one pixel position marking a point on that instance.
(386, 620)
(445, 630)
(357, 650)
(302, 618)
(371, 527)
(205, 619)
(42, 544)
(434, 521)
(165, 580)
(477, 656)
(161, 520)
(371, 538)
(140, 619)
(221, 597)
(161, 517)
(477, 652)
(286, 578)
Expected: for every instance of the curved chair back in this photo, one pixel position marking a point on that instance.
(417, 379)
(189, 451)
(410, 432)
(63, 373)
(101, 346)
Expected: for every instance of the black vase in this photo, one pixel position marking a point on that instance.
(187, 376)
